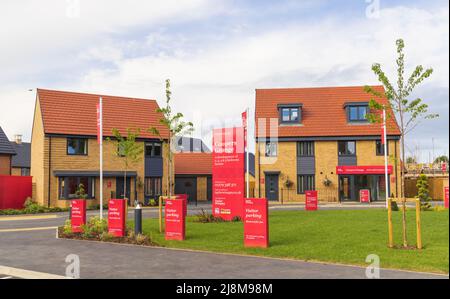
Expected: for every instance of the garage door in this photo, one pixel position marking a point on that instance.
(187, 185)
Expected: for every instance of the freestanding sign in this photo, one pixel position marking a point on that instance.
(175, 219)
(256, 223)
(364, 196)
(78, 215)
(228, 173)
(311, 201)
(117, 217)
(446, 197)
(184, 198)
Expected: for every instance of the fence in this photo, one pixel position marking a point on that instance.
(436, 187)
(14, 190)
(325, 194)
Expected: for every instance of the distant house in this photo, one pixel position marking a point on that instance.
(21, 162)
(191, 145)
(6, 154)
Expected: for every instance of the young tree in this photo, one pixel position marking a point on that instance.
(176, 127)
(441, 159)
(130, 151)
(423, 193)
(409, 112)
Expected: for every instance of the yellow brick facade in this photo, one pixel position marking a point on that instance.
(326, 160)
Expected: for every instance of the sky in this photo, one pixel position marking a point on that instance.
(217, 52)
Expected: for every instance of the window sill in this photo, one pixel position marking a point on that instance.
(291, 125)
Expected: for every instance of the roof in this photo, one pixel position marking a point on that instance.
(191, 145)
(72, 113)
(193, 163)
(5, 145)
(22, 158)
(323, 112)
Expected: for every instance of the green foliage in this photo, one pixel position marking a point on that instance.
(153, 203)
(95, 227)
(205, 217)
(394, 207)
(80, 193)
(441, 159)
(106, 237)
(411, 160)
(142, 239)
(67, 228)
(423, 193)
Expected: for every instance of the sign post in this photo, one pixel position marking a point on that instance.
(364, 196)
(311, 201)
(247, 172)
(446, 197)
(116, 217)
(256, 223)
(175, 219)
(100, 142)
(228, 173)
(78, 215)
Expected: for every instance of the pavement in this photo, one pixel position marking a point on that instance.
(29, 245)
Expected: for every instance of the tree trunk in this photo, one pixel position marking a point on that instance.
(402, 189)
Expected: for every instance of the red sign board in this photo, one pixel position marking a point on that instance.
(256, 222)
(117, 217)
(355, 170)
(78, 215)
(175, 219)
(228, 173)
(312, 202)
(14, 190)
(444, 167)
(184, 198)
(364, 196)
(446, 197)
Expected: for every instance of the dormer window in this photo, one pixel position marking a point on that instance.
(357, 112)
(290, 113)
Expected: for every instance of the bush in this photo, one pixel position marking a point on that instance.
(205, 217)
(236, 219)
(97, 225)
(394, 206)
(142, 239)
(153, 203)
(107, 237)
(423, 193)
(67, 228)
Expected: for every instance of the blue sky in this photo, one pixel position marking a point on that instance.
(217, 52)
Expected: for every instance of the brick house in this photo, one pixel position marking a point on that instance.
(6, 154)
(21, 162)
(65, 152)
(324, 143)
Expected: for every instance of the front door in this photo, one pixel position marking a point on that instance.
(187, 185)
(120, 189)
(272, 187)
(345, 190)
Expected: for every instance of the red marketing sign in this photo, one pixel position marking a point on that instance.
(355, 170)
(228, 173)
(184, 198)
(364, 196)
(78, 215)
(256, 223)
(175, 219)
(312, 202)
(446, 197)
(444, 167)
(117, 217)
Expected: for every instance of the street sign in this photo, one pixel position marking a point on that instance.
(117, 217)
(256, 223)
(175, 219)
(364, 196)
(78, 215)
(311, 201)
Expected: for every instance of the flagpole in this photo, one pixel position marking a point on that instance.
(248, 155)
(101, 157)
(386, 174)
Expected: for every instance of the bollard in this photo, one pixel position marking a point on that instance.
(391, 233)
(418, 224)
(138, 220)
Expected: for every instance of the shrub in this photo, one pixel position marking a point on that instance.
(423, 193)
(394, 206)
(205, 217)
(97, 226)
(67, 228)
(236, 219)
(153, 203)
(107, 237)
(142, 239)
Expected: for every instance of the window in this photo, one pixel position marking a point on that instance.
(77, 146)
(347, 148)
(306, 183)
(68, 187)
(380, 148)
(271, 149)
(153, 186)
(120, 151)
(358, 113)
(305, 149)
(25, 172)
(153, 149)
(289, 114)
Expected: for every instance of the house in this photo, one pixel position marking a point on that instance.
(190, 145)
(319, 139)
(193, 175)
(65, 152)
(6, 154)
(21, 162)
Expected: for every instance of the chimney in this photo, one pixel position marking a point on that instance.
(18, 138)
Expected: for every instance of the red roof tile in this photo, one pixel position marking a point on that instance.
(74, 113)
(193, 163)
(323, 113)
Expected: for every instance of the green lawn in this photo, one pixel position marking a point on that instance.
(330, 236)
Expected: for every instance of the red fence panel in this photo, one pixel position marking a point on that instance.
(14, 190)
